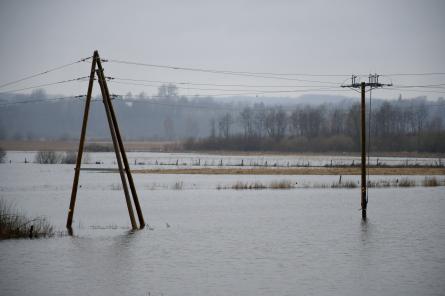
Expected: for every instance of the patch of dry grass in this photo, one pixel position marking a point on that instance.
(297, 171)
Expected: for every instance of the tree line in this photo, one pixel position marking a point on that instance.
(318, 124)
(401, 125)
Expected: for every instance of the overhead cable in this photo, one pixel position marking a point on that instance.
(43, 72)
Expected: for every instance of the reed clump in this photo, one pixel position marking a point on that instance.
(14, 224)
(405, 182)
(179, 185)
(380, 184)
(344, 184)
(430, 182)
(283, 184)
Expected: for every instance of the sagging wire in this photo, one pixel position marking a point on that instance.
(46, 84)
(41, 101)
(44, 72)
(223, 72)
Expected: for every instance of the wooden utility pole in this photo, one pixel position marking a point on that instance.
(117, 144)
(372, 83)
(81, 143)
(364, 202)
(107, 102)
(122, 149)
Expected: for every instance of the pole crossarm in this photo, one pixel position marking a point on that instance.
(373, 82)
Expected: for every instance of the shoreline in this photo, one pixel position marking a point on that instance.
(174, 147)
(436, 171)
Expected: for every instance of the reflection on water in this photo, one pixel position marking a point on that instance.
(364, 223)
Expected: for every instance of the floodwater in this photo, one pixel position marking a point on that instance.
(204, 241)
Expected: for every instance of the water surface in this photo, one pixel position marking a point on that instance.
(222, 242)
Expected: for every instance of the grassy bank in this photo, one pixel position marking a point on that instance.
(298, 171)
(14, 224)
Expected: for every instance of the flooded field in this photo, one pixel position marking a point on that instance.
(204, 241)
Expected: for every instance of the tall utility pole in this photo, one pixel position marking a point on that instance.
(117, 144)
(373, 82)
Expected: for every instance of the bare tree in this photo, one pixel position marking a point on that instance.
(420, 115)
(212, 128)
(353, 124)
(48, 157)
(275, 123)
(168, 90)
(259, 119)
(169, 128)
(336, 122)
(247, 121)
(224, 124)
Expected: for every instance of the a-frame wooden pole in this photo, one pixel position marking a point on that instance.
(81, 143)
(122, 150)
(106, 101)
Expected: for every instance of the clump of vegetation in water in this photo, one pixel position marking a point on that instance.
(179, 185)
(14, 224)
(344, 184)
(405, 182)
(70, 157)
(48, 157)
(430, 182)
(241, 185)
(283, 184)
(2, 155)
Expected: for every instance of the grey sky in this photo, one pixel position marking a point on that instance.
(320, 37)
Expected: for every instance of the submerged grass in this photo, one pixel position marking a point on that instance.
(405, 182)
(179, 185)
(347, 184)
(14, 224)
(281, 184)
(430, 182)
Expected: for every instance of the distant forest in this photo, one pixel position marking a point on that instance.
(314, 123)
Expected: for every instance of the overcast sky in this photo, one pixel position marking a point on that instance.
(318, 37)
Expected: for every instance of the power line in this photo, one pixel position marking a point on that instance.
(320, 88)
(440, 86)
(130, 100)
(41, 101)
(210, 84)
(414, 90)
(223, 72)
(46, 84)
(228, 71)
(44, 72)
(250, 93)
(414, 74)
